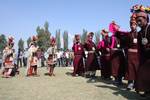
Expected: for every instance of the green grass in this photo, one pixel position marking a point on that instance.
(61, 87)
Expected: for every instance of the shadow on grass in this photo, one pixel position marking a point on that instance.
(69, 73)
(129, 95)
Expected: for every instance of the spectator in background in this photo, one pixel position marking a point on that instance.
(25, 55)
(59, 58)
(20, 58)
(71, 57)
(39, 56)
(67, 57)
(42, 59)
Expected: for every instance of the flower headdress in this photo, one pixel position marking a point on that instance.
(140, 8)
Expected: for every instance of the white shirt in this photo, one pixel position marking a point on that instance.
(67, 54)
(59, 54)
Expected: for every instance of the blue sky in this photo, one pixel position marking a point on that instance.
(20, 18)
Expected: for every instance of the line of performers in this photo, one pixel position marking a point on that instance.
(124, 55)
(9, 60)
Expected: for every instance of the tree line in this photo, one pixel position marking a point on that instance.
(43, 34)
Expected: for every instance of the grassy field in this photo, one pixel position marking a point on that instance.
(61, 87)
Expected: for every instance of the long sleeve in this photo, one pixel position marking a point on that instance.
(113, 42)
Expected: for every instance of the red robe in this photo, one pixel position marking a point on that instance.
(143, 76)
(78, 58)
(119, 54)
(105, 58)
(92, 62)
(133, 62)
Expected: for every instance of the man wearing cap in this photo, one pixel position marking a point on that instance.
(91, 62)
(32, 49)
(104, 48)
(119, 48)
(132, 53)
(78, 50)
(51, 60)
(143, 79)
(8, 58)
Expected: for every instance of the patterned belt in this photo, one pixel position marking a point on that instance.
(91, 51)
(132, 50)
(78, 54)
(114, 49)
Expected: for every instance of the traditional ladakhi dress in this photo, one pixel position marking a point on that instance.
(52, 52)
(92, 62)
(8, 60)
(119, 54)
(143, 76)
(78, 65)
(104, 47)
(133, 58)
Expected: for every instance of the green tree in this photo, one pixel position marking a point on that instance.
(58, 42)
(21, 44)
(46, 25)
(43, 35)
(65, 39)
(3, 42)
(84, 35)
(97, 38)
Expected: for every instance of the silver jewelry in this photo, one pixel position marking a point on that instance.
(135, 40)
(144, 39)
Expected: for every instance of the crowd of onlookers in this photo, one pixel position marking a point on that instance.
(64, 58)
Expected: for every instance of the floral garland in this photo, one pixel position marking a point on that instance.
(139, 8)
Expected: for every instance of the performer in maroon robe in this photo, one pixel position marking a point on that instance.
(132, 68)
(104, 48)
(78, 50)
(143, 77)
(119, 56)
(91, 62)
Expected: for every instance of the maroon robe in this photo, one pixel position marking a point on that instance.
(91, 62)
(119, 54)
(133, 62)
(115, 59)
(105, 57)
(78, 58)
(143, 77)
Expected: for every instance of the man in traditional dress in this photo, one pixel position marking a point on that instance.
(91, 62)
(32, 49)
(118, 52)
(78, 50)
(104, 48)
(133, 62)
(52, 57)
(8, 58)
(143, 77)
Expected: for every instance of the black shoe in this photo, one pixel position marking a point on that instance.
(117, 83)
(87, 76)
(130, 86)
(91, 80)
(75, 75)
(142, 94)
(108, 79)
